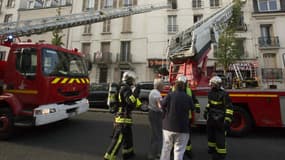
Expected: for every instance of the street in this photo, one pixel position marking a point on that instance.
(87, 136)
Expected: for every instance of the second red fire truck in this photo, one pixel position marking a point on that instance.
(188, 54)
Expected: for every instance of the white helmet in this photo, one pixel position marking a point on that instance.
(129, 77)
(215, 81)
(181, 78)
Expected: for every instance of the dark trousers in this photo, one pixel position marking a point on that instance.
(122, 135)
(155, 119)
(216, 138)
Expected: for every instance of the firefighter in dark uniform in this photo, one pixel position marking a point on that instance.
(189, 92)
(219, 113)
(122, 133)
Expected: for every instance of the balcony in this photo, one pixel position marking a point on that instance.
(124, 61)
(242, 27)
(103, 58)
(172, 28)
(268, 42)
(272, 74)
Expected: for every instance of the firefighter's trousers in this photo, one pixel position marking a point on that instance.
(216, 138)
(122, 135)
(189, 144)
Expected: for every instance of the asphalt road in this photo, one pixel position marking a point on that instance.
(86, 137)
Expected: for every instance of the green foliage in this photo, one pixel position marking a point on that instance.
(57, 38)
(228, 48)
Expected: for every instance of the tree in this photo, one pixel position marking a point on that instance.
(227, 50)
(57, 38)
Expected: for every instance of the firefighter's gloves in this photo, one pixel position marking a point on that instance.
(205, 115)
(227, 125)
(137, 90)
(197, 108)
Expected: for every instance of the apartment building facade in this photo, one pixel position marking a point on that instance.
(139, 42)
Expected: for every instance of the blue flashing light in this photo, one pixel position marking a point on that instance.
(10, 38)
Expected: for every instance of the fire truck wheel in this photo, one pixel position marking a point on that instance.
(6, 123)
(241, 124)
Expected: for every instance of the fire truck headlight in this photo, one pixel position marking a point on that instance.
(45, 111)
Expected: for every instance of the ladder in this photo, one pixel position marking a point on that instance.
(237, 72)
(193, 40)
(38, 26)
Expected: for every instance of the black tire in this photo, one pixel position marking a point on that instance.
(242, 122)
(6, 123)
(144, 106)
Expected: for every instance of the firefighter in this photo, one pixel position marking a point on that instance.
(189, 92)
(122, 133)
(218, 113)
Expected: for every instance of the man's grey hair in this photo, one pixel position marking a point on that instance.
(157, 83)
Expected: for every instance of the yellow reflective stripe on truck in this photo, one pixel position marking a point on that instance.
(22, 91)
(253, 95)
(70, 80)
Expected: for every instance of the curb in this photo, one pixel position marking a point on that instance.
(107, 111)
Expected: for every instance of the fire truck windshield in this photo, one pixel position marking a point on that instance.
(58, 63)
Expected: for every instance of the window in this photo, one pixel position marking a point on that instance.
(269, 60)
(86, 48)
(105, 50)
(214, 3)
(125, 51)
(240, 46)
(8, 18)
(30, 4)
(47, 3)
(57, 63)
(196, 3)
(197, 18)
(268, 5)
(127, 24)
(11, 4)
(26, 61)
(173, 3)
(108, 4)
(266, 32)
(172, 27)
(103, 75)
(38, 4)
(87, 29)
(62, 2)
(89, 4)
(106, 26)
(127, 3)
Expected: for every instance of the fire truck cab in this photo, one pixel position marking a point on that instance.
(41, 84)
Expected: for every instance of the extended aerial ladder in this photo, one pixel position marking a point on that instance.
(38, 26)
(189, 48)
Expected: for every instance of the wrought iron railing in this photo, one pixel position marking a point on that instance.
(265, 42)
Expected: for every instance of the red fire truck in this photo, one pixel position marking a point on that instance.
(43, 83)
(188, 51)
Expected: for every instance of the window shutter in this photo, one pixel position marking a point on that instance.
(135, 2)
